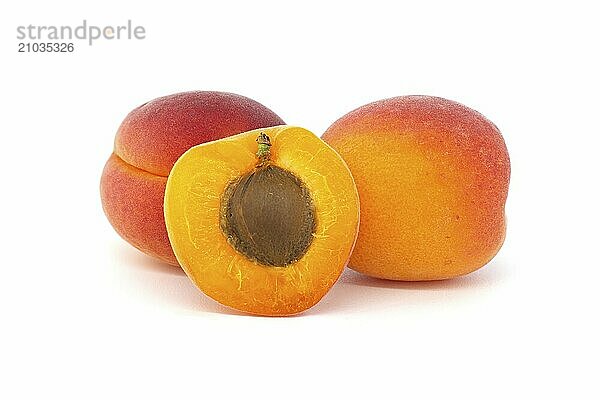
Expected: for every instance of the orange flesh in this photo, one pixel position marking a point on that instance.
(192, 213)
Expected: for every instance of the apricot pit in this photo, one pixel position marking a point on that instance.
(268, 216)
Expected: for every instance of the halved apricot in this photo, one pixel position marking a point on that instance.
(264, 221)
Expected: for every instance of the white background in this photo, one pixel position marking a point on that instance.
(84, 315)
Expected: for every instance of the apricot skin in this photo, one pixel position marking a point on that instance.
(147, 144)
(432, 177)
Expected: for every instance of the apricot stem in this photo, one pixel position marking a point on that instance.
(264, 147)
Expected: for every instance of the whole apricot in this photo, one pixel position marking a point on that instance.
(432, 177)
(147, 144)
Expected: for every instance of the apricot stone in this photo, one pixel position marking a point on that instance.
(147, 144)
(433, 178)
(267, 227)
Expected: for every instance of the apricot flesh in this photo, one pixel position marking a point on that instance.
(147, 144)
(433, 179)
(198, 194)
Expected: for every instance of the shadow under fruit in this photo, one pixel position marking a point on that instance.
(149, 141)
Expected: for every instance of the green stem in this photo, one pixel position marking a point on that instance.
(264, 147)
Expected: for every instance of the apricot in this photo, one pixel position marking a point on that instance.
(432, 176)
(147, 144)
(265, 228)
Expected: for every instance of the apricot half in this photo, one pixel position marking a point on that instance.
(264, 221)
(148, 143)
(433, 179)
